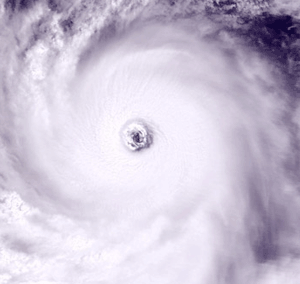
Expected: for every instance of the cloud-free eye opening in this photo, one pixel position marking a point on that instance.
(136, 135)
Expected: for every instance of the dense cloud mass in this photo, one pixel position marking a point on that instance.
(149, 142)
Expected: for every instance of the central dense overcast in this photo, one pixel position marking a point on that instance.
(145, 142)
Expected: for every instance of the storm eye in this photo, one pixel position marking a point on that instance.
(136, 135)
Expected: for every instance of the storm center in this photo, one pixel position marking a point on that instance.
(136, 136)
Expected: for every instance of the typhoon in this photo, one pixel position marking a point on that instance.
(143, 143)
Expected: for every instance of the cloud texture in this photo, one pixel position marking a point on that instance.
(213, 199)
